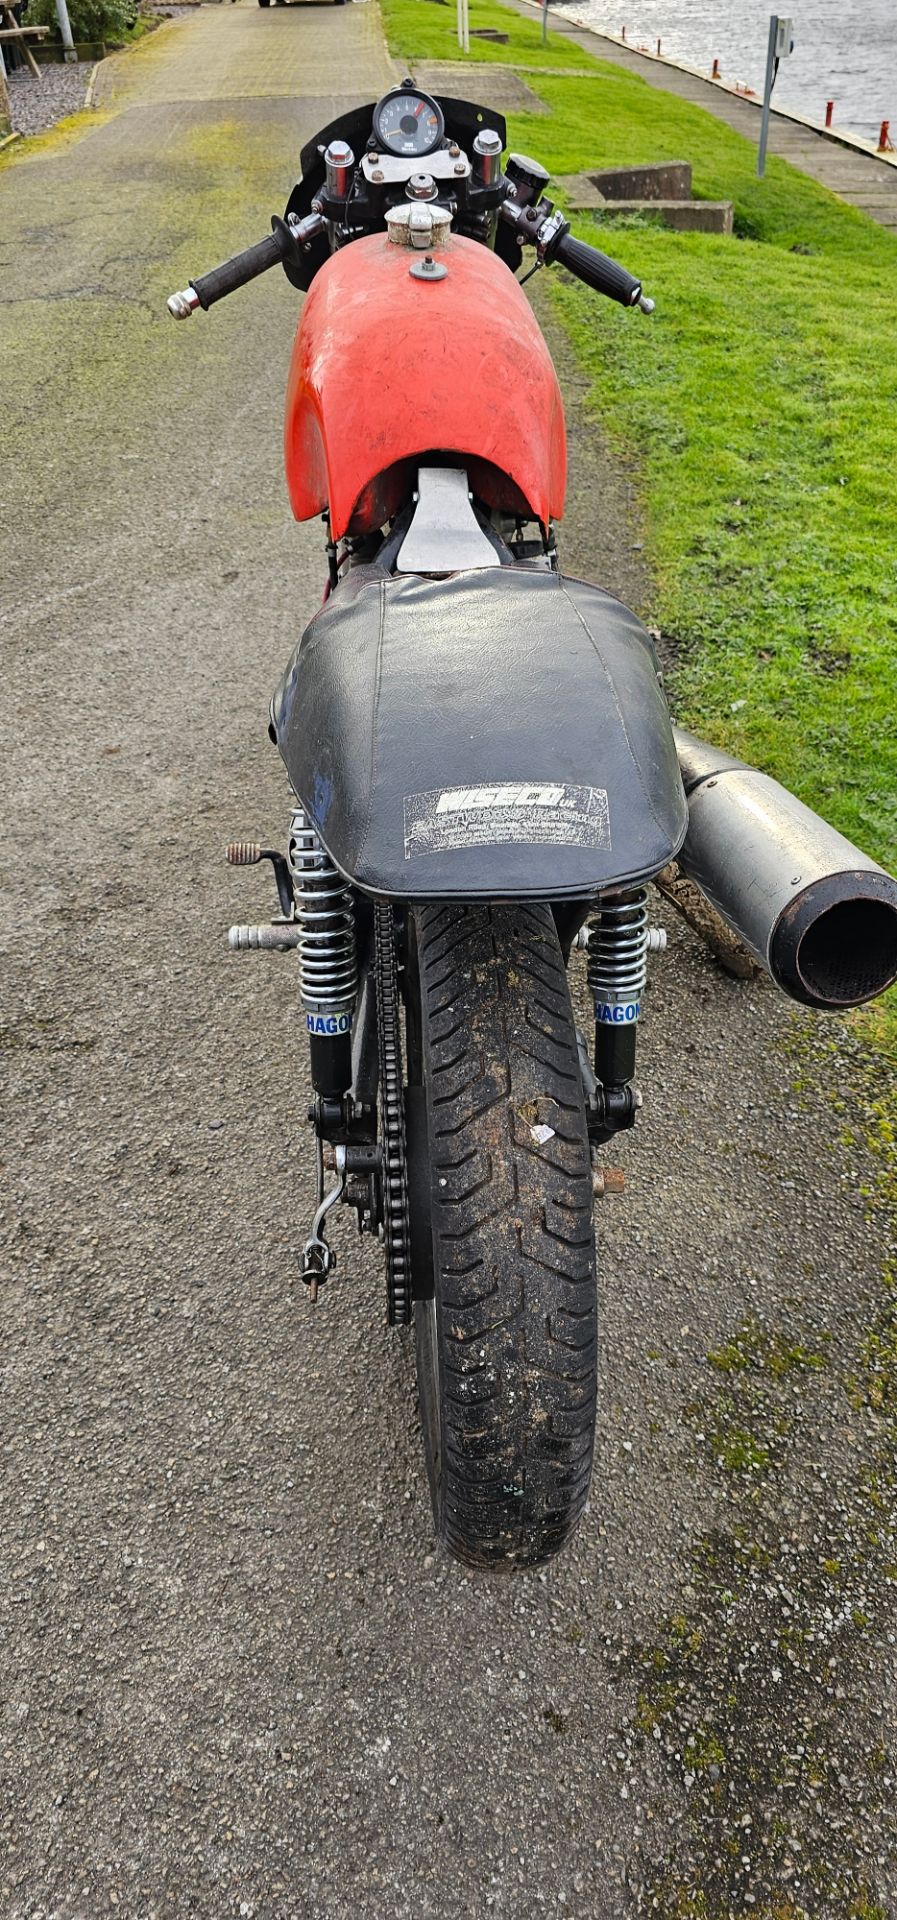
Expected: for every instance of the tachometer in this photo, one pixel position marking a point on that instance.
(408, 123)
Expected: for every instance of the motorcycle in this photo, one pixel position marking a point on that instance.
(486, 776)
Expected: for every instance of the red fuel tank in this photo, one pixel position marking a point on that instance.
(388, 367)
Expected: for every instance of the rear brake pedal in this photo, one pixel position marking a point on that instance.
(248, 853)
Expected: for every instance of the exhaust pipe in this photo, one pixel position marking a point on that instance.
(819, 915)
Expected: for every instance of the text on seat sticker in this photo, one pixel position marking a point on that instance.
(517, 812)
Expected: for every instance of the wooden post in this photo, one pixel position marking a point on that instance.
(5, 116)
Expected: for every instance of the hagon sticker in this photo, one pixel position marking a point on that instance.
(532, 813)
(328, 1024)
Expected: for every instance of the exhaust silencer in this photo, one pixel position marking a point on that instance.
(819, 915)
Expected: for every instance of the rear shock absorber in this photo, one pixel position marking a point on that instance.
(618, 945)
(328, 967)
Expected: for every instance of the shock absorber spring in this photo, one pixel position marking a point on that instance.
(618, 957)
(328, 967)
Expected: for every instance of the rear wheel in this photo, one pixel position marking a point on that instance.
(501, 1225)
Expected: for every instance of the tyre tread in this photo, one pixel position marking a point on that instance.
(513, 1247)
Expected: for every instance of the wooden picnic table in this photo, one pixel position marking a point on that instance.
(12, 31)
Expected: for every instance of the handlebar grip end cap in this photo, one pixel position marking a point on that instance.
(181, 305)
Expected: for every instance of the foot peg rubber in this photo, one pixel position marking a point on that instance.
(243, 853)
(279, 937)
(250, 853)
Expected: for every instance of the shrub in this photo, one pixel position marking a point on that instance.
(90, 20)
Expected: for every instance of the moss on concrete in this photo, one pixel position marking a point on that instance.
(42, 146)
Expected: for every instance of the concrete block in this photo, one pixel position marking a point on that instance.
(669, 181)
(581, 194)
(685, 216)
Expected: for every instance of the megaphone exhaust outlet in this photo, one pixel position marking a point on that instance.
(839, 954)
(815, 911)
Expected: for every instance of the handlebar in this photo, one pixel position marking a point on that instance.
(598, 270)
(550, 235)
(287, 239)
(238, 271)
(546, 230)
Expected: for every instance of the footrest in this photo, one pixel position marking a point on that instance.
(277, 938)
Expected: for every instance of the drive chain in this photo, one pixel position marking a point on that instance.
(394, 1176)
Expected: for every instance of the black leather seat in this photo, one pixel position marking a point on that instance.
(495, 734)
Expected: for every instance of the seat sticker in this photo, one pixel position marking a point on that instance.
(516, 812)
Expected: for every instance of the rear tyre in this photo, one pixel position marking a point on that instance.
(264, 3)
(501, 1227)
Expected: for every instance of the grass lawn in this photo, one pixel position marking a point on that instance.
(762, 401)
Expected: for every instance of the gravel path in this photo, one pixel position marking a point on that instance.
(36, 105)
(237, 1677)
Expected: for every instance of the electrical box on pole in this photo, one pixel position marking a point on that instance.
(780, 45)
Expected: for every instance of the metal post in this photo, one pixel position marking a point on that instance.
(767, 91)
(68, 44)
(466, 26)
(544, 20)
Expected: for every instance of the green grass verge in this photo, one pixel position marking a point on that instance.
(762, 401)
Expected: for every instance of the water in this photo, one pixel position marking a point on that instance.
(845, 50)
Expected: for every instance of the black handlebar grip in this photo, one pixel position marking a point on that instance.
(239, 271)
(597, 270)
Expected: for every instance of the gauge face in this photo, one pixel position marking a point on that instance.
(408, 123)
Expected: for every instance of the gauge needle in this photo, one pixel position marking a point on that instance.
(419, 109)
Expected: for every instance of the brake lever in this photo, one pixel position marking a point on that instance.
(546, 235)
